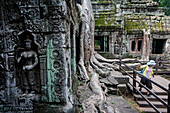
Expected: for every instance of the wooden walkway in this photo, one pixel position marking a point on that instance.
(144, 106)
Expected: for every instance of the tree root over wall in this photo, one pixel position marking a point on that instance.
(99, 68)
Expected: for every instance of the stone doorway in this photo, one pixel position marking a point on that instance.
(158, 46)
(101, 43)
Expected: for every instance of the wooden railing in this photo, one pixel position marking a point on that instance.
(135, 90)
(162, 66)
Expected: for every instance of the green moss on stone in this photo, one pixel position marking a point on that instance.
(105, 2)
(110, 10)
(114, 8)
(159, 26)
(107, 13)
(105, 21)
(135, 22)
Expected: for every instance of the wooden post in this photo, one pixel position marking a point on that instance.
(157, 64)
(134, 82)
(104, 44)
(120, 64)
(168, 109)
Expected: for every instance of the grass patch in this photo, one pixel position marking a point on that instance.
(128, 96)
(113, 102)
(90, 75)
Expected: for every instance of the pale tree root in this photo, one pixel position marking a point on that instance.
(96, 101)
(103, 71)
(82, 71)
(107, 62)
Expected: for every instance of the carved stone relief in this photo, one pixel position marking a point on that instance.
(28, 70)
(33, 44)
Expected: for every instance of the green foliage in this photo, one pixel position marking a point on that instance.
(165, 4)
(80, 110)
(113, 102)
(90, 75)
(143, 112)
(97, 44)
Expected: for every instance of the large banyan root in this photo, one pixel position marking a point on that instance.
(94, 103)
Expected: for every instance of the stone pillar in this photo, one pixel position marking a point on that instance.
(146, 45)
(111, 43)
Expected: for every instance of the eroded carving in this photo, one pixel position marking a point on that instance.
(28, 66)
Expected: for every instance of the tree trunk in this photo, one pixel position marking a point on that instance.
(91, 63)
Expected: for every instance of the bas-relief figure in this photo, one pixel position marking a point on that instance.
(27, 70)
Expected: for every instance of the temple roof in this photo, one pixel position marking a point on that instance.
(130, 16)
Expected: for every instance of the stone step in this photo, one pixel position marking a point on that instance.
(157, 90)
(144, 91)
(113, 91)
(152, 98)
(131, 72)
(151, 110)
(119, 104)
(122, 79)
(122, 88)
(157, 93)
(109, 81)
(159, 72)
(155, 103)
(119, 77)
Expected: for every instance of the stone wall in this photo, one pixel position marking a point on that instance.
(129, 19)
(37, 55)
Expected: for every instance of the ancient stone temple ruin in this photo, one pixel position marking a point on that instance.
(45, 45)
(37, 55)
(131, 28)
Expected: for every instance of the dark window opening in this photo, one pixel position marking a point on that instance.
(151, 10)
(137, 10)
(139, 45)
(158, 46)
(101, 43)
(136, 45)
(133, 46)
(143, 10)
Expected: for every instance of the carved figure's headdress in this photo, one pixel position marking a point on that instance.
(27, 40)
